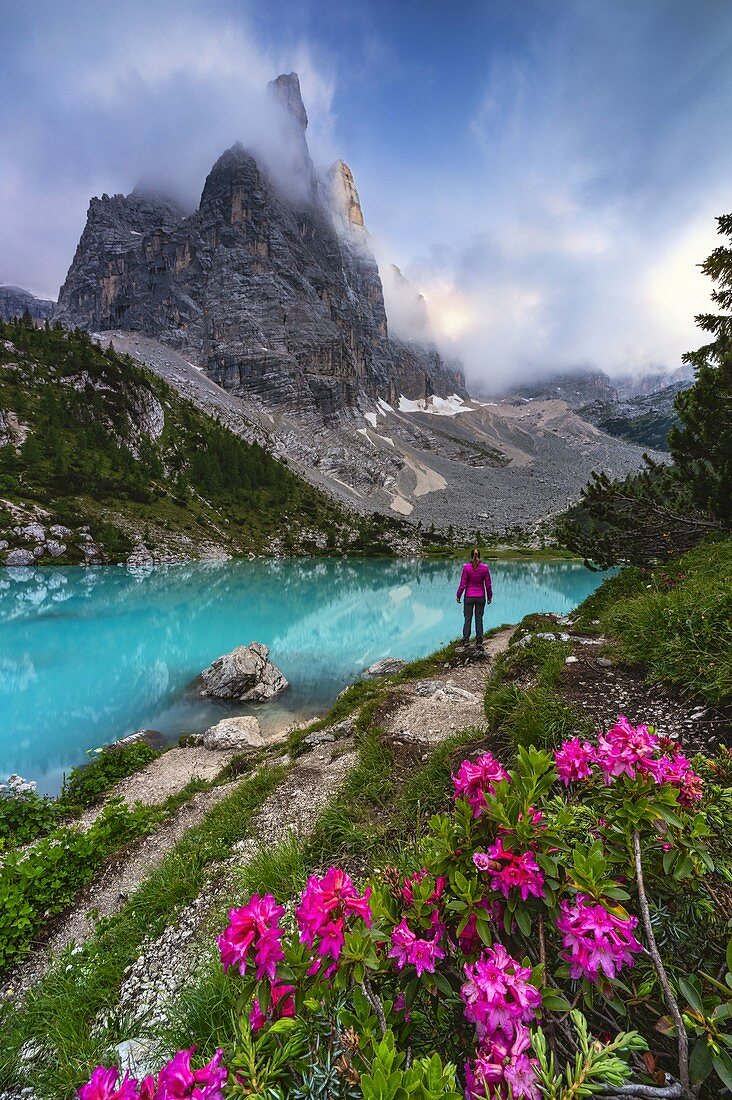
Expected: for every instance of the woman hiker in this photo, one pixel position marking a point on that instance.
(475, 582)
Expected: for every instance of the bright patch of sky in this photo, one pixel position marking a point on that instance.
(546, 174)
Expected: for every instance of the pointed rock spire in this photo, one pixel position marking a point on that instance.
(286, 89)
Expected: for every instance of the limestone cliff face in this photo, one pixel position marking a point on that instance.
(276, 296)
(345, 201)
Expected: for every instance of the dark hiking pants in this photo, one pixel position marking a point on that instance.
(473, 604)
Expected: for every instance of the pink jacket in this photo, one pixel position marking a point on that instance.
(475, 582)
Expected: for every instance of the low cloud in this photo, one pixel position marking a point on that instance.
(150, 95)
(574, 237)
(555, 220)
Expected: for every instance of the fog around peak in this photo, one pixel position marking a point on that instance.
(546, 177)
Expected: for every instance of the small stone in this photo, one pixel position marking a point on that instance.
(234, 733)
(320, 737)
(604, 662)
(386, 667)
(55, 548)
(426, 687)
(571, 660)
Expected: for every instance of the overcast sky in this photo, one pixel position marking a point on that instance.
(546, 172)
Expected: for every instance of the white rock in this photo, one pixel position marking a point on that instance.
(136, 1057)
(246, 673)
(19, 557)
(4, 544)
(55, 549)
(426, 687)
(234, 733)
(386, 667)
(452, 688)
(320, 737)
(60, 532)
(571, 660)
(33, 531)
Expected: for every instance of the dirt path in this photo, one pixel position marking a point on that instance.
(162, 777)
(168, 964)
(430, 711)
(110, 891)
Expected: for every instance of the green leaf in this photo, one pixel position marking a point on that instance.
(723, 1067)
(287, 1023)
(670, 817)
(523, 920)
(669, 858)
(442, 984)
(688, 987)
(729, 956)
(700, 1063)
(484, 931)
(554, 1001)
(683, 867)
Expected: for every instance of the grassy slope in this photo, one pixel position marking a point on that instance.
(676, 620)
(196, 484)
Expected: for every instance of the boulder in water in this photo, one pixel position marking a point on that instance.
(246, 674)
(234, 733)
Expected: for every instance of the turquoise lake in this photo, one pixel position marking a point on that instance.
(88, 655)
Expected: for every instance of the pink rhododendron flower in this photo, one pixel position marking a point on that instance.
(102, 1086)
(400, 1005)
(280, 1005)
(515, 872)
(595, 939)
(420, 876)
(254, 924)
(621, 750)
(573, 760)
(483, 861)
(476, 779)
(325, 905)
(407, 947)
(677, 771)
(501, 1069)
(177, 1081)
(498, 995)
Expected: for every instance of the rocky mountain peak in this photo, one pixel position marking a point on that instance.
(270, 286)
(286, 90)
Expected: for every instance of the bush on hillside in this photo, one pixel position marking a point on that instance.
(537, 945)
